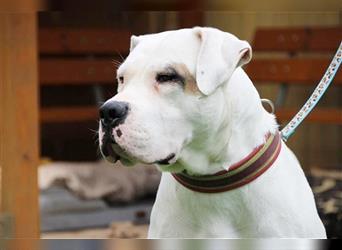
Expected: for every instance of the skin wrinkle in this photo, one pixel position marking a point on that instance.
(216, 156)
(161, 117)
(156, 87)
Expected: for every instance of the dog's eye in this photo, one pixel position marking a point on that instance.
(121, 79)
(162, 77)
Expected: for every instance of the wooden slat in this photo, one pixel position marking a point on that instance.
(325, 39)
(290, 71)
(69, 114)
(19, 137)
(279, 39)
(76, 71)
(297, 39)
(320, 115)
(177, 5)
(90, 113)
(78, 41)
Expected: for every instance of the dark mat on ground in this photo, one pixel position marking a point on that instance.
(75, 244)
(61, 211)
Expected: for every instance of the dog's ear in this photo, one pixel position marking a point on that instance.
(219, 55)
(134, 42)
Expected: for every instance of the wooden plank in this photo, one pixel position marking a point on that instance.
(290, 71)
(314, 39)
(19, 137)
(78, 41)
(76, 71)
(319, 115)
(177, 5)
(102, 71)
(69, 114)
(280, 39)
(90, 113)
(325, 39)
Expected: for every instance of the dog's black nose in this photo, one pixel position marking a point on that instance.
(112, 113)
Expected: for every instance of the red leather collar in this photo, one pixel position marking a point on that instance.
(239, 174)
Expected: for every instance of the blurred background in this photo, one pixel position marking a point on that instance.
(76, 56)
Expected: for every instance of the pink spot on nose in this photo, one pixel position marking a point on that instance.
(118, 132)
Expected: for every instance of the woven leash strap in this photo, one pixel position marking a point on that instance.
(319, 91)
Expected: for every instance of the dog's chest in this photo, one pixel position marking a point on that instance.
(199, 214)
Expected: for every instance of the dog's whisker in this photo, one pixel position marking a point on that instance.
(93, 130)
(122, 58)
(116, 62)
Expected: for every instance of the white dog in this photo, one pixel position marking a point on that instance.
(185, 104)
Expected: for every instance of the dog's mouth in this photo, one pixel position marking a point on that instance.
(112, 152)
(107, 150)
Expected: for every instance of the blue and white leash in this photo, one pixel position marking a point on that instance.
(323, 85)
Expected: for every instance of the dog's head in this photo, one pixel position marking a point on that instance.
(168, 94)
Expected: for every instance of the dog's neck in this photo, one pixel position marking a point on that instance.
(243, 127)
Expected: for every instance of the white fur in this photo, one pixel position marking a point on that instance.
(208, 132)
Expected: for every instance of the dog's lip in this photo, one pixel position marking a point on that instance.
(108, 152)
(112, 151)
(106, 148)
(166, 161)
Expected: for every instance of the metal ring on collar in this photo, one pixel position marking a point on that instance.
(270, 103)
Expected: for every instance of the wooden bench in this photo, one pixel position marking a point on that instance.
(291, 69)
(78, 57)
(84, 57)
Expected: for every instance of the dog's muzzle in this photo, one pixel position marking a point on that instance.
(112, 113)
